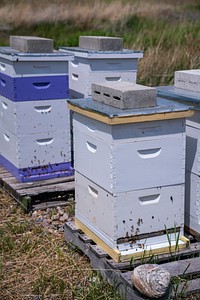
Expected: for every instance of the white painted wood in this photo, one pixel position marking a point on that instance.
(81, 82)
(129, 132)
(13, 55)
(34, 116)
(192, 201)
(124, 165)
(35, 149)
(31, 68)
(130, 213)
(83, 71)
(194, 121)
(193, 149)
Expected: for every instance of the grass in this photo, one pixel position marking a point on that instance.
(167, 32)
(35, 264)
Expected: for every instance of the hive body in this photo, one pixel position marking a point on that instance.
(187, 94)
(34, 119)
(129, 176)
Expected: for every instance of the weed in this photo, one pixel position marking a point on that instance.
(179, 285)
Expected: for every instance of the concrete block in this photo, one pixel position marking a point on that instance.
(124, 95)
(188, 80)
(31, 44)
(101, 43)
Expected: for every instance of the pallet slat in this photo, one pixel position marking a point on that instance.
(119, 274)
(29, 195)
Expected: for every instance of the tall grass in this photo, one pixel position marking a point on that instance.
(167, 32)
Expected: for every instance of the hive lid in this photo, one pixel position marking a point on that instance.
(165, 109)
(180, 95)
(15, 55)
(88, 53)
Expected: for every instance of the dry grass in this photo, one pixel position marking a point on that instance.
(81, 13)
(159, 64)
(167, 31)
(35, 264)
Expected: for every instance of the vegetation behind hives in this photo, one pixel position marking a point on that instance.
(167, 31)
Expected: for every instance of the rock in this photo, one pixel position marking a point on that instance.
(38, 220)
(55, 223)
(61, 212)
(61, 229)
(34, 214)
(48, 221)
(151, 280)
(55, 217)
(64, 217)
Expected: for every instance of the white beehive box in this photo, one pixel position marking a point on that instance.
(90, 66)
(19, 64)
(29, 117)
(128, 214)
(37, 149)
(193, 150)
(130, 169)
(188, 80)
(192, 202)
(194, 121)
(182, 93)
(143, 155)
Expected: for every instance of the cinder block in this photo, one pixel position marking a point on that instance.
(188, 80)
(31, 44)
(101, 43)
(124, 95)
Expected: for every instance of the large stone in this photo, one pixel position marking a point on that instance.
(124, 95)
(188, 80)
(31, 44)
(151, 280)
(101, 43)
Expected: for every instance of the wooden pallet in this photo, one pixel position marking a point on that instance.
(185, 262)
(37, 194)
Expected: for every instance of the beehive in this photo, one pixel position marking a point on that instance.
(35, 122)
(129, 174)
(95, 64)
(182, 93)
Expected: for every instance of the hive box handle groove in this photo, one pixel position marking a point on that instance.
(2, 67)
(91, 147)
(3, 82)
(43, 109)
(149, 153)
(113, 78)
(6, 137)
(75, 76)
(93, 192)
(43, 142)
(4, 105)
(41, 85)
(151, 199)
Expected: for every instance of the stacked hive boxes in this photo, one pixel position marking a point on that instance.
(130, 170)
(186, 89)
(100, 59)
(34, 120)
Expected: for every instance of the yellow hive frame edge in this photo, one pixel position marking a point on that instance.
(115, 253)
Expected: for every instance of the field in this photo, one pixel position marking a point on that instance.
(167, 31)
(36, 264)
